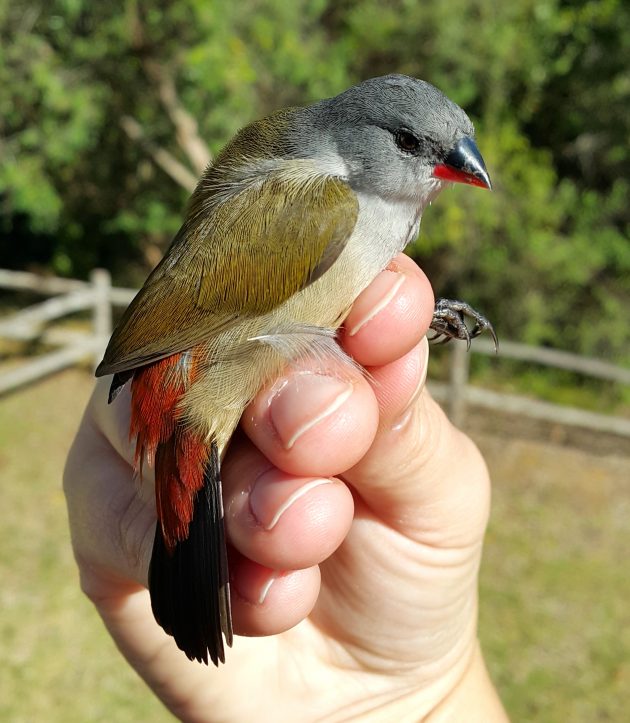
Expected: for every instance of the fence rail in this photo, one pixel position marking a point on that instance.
(99, 296)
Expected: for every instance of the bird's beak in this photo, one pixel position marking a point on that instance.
(464, 164)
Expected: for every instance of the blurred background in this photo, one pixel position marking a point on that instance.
(109, 112)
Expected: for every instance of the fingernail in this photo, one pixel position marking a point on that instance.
(304, 402)
(274, 493)
(264, 590)
(407, 412)
(256, 590)
(379, 294)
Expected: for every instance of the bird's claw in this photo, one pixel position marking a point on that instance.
(449, 322)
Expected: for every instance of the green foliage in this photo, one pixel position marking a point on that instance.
(547, 82)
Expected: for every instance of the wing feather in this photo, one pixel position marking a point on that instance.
(238, 257)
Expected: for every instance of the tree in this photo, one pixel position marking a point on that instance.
(109, 111)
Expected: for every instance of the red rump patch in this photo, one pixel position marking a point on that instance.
(178, 453)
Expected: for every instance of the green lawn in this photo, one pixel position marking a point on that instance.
(555, 592)
(555, 584)
(58, 662)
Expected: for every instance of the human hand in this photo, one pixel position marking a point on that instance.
(355, 513)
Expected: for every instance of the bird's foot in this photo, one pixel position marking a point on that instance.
(449, 322)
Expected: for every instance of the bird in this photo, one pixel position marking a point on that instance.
(292, 220)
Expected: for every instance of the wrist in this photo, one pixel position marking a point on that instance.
(474, 698)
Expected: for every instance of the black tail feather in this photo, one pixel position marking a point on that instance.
(189, 587)
(118, 382)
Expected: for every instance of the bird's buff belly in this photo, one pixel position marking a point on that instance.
(254, 351)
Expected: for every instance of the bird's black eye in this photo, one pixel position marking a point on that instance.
(406, 141)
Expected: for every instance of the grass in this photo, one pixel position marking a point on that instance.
(555, 618)
(59, 664)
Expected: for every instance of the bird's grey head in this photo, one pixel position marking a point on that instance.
(390, 132)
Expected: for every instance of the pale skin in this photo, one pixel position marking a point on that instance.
(355, 512)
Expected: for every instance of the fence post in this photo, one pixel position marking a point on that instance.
(102, 314)
(458, 373)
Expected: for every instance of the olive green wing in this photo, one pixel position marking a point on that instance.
(238, 258)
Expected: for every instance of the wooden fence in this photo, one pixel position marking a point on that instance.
(99, 296)
(67, 296)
